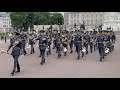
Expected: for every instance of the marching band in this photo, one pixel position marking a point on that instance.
(62, 40)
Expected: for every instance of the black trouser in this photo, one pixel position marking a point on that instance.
(91, 47)
(2, 38)
(32, 49)
(49, 48)
(58, 51)
(42, 56)
(78, 51)
(16, 63)
(86, 47)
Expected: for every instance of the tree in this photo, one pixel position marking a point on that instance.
(57, 18)
(19, 20)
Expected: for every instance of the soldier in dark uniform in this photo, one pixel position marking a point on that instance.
(71, 42)
(49, 41)
(54, 39)
(16, 51)
(58, 44)
(23, 37)
(87, 41)
(43, 43)
(94, 40)
(91, 41)
(83, 42)
(100, 41)
(78, 43)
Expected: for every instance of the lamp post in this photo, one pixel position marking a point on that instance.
(31, 20)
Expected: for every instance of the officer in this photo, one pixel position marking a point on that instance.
(23, 37)
(87, 39)
(43, 43)
(58, 45)
(78, 43)
(16, 51)
(100, 41)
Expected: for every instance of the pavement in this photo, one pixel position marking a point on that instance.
(65, 67)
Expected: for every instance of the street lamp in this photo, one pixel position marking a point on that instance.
(31, 20)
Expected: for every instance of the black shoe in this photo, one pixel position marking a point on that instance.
(82, 55)
(40, 56)
(12, 73)
(17, 71)
(41, 63)
(31, 53)
(100, 59)
(78, 58)
(103, 57)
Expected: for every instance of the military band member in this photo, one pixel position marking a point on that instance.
(16, 46)
(78, 43)
(49, 42)
(91, 41)
(58, 45)
(100, 41)
(31, 43)
(71, 42)
(43, 43)
(87, 38)
(23, 37)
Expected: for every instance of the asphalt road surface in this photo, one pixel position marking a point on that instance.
(65, 67)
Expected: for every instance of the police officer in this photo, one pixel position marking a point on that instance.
(23, 37)
(43, 43)
(78, 43)
(100, 41)
(16, 51)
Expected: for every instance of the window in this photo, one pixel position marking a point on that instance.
(71, 16)
(100, 21)
(96, 15)
(77, 21)
(87, 16)
(91, 21)
(74, 21)
(87, 21)
(100, 15)
(96, 21)
(71, 22)
(78, 16)
(74, 16)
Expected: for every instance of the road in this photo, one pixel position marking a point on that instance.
(65, 67)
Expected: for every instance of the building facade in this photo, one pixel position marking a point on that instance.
(91, 19)
(5, 22)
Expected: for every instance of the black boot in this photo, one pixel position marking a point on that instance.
(12, 73)
(17, 71)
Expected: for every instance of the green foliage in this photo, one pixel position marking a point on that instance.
(20, 20)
